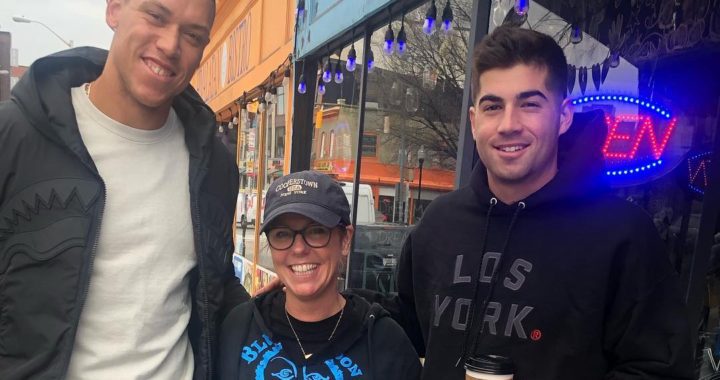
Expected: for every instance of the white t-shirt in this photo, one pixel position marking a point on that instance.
(134, 321)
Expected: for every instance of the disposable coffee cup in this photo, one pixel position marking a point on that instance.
(489, 367)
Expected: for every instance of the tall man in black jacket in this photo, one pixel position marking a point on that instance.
(534, 260)
(116, 207)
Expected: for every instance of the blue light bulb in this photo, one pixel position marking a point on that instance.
(522, 6)
(429, 26)
(321, 88)
(389, 38)
(302, 86)
(430, 17)
(370, 60)
(401, 46)
(388, 47)
(350, 64)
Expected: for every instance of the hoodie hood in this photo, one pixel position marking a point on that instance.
(580, 167)
(360, 313)
(43, 93)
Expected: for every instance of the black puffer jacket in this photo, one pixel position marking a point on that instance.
(51, 205)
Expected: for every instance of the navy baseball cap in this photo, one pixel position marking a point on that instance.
(308, 193)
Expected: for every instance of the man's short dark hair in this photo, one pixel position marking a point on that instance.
(508, 46)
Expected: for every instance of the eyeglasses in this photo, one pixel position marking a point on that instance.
(314, 235)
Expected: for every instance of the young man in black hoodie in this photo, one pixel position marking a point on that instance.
(116, 207)
(534, 260)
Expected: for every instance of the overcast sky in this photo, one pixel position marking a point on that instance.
(82, 21)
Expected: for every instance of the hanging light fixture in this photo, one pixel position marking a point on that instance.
(261, 107)
(300, 8)
(576, 34)
(430, 17)
(401, 40)
(338, 71)
(302, 86)
(522, 6)
(321, 87)
(370, 60)
(327, 71)
(286, 77)
(351, 59)
(268, 96)
(447, 17)
(389, 39)
(244, 115)
(677, 14)
(614, 59)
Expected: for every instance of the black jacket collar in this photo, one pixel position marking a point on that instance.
(44, 94)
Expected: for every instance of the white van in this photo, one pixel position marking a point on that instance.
(366, 202)
(246, 206)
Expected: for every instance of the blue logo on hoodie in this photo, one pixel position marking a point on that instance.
(273, 366)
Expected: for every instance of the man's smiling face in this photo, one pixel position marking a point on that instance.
(516, 121)
(158, 45)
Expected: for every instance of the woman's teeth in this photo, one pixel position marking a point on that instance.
(303, 268)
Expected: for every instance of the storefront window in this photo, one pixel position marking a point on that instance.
(369, 145)
(645, 64)
(410, 138)
(280, 108)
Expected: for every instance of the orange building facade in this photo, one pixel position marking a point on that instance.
(245, 77)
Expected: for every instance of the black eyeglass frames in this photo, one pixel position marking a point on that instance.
(314, 235)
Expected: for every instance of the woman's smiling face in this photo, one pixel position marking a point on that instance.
(309, 272)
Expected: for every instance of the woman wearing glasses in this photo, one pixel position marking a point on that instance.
(310, 330)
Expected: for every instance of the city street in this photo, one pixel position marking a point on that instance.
(265, 259)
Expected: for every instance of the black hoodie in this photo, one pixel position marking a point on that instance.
(372, 346)
(582, 289)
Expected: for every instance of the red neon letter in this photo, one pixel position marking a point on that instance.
(694, 175)
(646, 127)
(612, 136)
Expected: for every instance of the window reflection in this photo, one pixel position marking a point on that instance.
(412, 105)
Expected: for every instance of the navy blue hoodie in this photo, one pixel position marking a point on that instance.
(571, 283)
(373, 347)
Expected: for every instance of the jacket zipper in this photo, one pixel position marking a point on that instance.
(88, 275)
(203, 282)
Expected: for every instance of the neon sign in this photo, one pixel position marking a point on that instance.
(646, 128)
(697, 172)
(625, 99)
(628, 133)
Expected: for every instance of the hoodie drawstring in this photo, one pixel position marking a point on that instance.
(493, 279)
(371, 324)
(486, 228)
